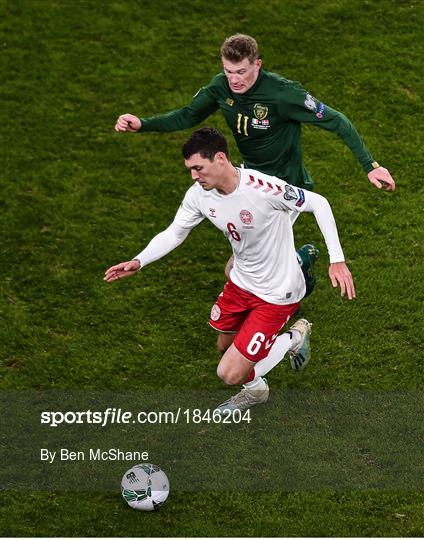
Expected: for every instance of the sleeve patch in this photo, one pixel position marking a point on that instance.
(314, 105)
(310, 103)
(320, 110)
(301, 198)
(290, 194)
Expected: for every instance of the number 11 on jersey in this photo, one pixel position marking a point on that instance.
(246, 118)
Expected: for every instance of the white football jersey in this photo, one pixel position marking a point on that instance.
(255, 218)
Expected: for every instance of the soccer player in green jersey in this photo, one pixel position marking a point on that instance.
(265, 112)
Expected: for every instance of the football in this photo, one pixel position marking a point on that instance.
(145, 487)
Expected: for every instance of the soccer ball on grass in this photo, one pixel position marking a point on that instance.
(145, 487)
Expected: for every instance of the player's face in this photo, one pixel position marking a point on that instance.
(242, 75)
(207, 173)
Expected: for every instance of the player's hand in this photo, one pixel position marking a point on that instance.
(341, 277)
(128, 122)
(380, 177)
(121, 270)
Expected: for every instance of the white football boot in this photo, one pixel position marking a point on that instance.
(300, 354)
(245, 399)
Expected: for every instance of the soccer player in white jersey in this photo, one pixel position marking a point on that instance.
(266, 283)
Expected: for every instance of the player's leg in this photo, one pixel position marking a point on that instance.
(259, 339)
(224, 340)
(300, 352)
(235, 368)
(228, 314)
(307, 255)
(256, 350)
(295, 341)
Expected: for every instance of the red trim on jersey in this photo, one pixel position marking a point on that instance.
(260, 184)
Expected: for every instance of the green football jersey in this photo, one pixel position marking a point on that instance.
(266, 123)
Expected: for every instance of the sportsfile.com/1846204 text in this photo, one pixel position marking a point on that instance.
(112, 415)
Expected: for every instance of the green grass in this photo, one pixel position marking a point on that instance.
(77, 197)
(246, 514)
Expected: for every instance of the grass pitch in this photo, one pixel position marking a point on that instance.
(77, 197)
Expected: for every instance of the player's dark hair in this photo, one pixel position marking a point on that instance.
(238, 47)
(206, 142)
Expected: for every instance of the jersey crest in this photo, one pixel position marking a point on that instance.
(260, 111)
(215, 311)
(246, 217)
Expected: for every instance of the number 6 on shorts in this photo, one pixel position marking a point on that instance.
(255, 343)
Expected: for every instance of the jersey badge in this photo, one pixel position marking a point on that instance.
(310, 103)
(215, 312)
(246, 217)
(290, 194)
(260, 111)
(301, 198)
(320, 111)
(212, 212)
(260, 124)
(229, 102)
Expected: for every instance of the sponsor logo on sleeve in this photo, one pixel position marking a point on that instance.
(290, 194)
(310, 103)
(301, 198)
(320, 111)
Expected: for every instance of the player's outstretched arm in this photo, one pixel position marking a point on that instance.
(128, 122)
(380, 177)
(340, 276)
(307, 201)
(123, 269)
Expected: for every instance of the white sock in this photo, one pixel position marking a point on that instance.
(282, 344)
(257, 384)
